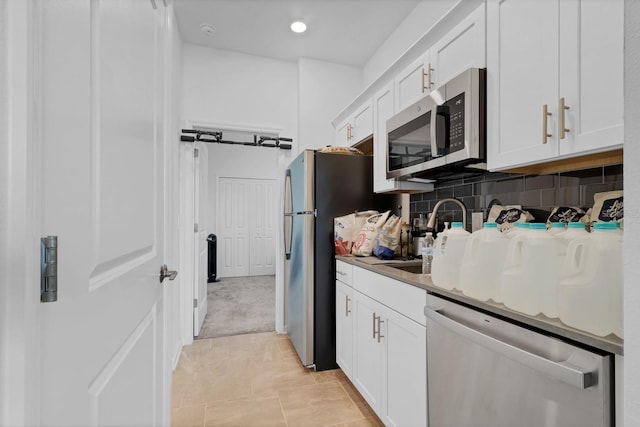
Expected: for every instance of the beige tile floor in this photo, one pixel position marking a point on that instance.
(257, 380)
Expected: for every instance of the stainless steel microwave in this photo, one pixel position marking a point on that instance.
(441, 134)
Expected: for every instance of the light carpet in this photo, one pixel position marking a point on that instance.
(239, 305)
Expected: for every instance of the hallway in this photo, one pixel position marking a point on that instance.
(239, 305)
(257, 380)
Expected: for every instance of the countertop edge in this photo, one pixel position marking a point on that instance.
(610, 344)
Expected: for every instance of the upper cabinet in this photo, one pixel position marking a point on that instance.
(554, 80)
(461, 48)
(414, 82)
(357, 127)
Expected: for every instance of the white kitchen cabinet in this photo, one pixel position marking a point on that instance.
(461, 48)
(389, 353)
(357, 127)
(383, 109)
(368, 371)
(343, 132)
(464, 46)
(405, 359)
(539, 53)
(414, 81)
(591, 74)
(344, 318)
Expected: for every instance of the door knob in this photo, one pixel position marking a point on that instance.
(167, 274)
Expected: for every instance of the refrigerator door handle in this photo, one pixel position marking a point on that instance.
(288, 215)
(563, 371)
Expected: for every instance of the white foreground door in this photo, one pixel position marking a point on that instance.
(99, 83)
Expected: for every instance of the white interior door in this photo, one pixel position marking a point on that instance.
(233, 242)
(262, 247)
(201, 175)
(100, 125)
(246, 218)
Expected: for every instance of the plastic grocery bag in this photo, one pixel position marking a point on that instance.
(363, 245)
(346, 229)
(388, 238)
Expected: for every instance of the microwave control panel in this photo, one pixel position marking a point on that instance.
(456, 123)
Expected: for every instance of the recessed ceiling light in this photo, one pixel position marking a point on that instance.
(208, 29)
(298, 27)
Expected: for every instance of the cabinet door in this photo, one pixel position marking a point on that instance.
(382, 110)
(462, 48)
(522, 76)
(362, 120)
(344, 327)
(343, 132)
(405, 379)
(412, 83)
(591, 75)
(367, 351)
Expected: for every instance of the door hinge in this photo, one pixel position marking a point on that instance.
(195, 303)
(196, 228)
(196, 153)
(49, 269)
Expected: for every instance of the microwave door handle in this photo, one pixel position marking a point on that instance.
(563, 371)
(433, 131)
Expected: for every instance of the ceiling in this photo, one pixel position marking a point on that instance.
(339, 31)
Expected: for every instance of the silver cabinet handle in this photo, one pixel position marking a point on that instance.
(167, 274)
(379, 330)
(346, 306)
(545, 125)
(342, 273)
(427, 74)
(561, 110)
(562, 371)
(374, 324)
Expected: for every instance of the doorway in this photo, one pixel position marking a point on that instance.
(242, 300)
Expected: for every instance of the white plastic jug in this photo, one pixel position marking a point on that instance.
(448, 252)
(532, 271)
(482, 264)
(590, 294)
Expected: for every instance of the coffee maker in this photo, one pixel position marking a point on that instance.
(418, 232)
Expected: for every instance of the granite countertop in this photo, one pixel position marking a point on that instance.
(610, 343)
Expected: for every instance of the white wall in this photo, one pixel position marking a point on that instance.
(423, 17)
(324, 90)
(632, 216)
(244, 91)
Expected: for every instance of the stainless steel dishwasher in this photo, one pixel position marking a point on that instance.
(486, 372)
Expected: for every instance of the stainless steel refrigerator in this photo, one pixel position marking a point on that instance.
(318, 187)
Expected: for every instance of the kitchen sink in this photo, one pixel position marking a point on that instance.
(416, 269)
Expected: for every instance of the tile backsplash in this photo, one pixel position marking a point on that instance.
(538, 194)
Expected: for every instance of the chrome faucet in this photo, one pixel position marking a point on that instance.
(431, 224)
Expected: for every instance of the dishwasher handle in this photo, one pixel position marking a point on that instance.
(562, 371)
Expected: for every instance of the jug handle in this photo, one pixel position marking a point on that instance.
(575, 257)
(472, 247)
(514, 251)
